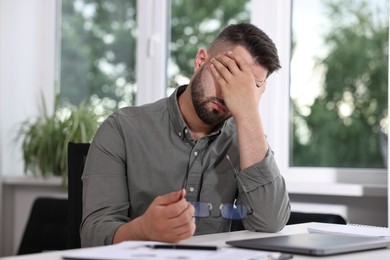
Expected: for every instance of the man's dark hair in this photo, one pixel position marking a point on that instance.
(254, 40)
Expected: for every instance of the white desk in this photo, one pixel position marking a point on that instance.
(219, 240)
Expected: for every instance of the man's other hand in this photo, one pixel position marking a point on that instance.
(169, 218)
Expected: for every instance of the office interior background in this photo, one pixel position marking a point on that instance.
(325, 112)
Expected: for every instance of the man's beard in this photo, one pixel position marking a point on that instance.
(200, 102)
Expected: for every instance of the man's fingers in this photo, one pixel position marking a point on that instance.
(174, 210)
(170, 197)
(221, 69)
(184, 225)
(185, 216)
(241, 63)
(169, 218)
(173, 204)
(229, 63)
(185, 231)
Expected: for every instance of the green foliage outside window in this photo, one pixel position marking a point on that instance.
(98, 52)
(356, 76)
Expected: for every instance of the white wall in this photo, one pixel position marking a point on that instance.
(26, 36)
(27, 69)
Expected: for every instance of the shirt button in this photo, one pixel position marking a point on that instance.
(179, 134)
(192, 189)
(196, 153)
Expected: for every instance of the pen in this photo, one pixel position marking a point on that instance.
(185, 247)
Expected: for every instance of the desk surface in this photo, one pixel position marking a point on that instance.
(219, 240)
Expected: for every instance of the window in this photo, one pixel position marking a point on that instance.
(294, 134)
(98, 41)
(339, 67)
(98, 46)
(275, 18)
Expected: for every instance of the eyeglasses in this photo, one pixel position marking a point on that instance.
(227, 210)
(231, 211)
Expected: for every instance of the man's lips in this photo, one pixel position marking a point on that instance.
(218, 106)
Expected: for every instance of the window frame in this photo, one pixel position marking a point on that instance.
(152, 50)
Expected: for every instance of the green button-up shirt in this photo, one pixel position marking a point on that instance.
(139, 153)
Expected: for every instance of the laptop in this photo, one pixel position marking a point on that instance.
(313, 244)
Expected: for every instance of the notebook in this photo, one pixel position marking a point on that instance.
(313, 244)
(353, 230)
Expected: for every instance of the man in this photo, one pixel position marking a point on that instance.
(204, 145)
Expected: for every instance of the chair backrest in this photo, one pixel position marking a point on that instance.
(77, 153)
(304, 217)
(300, 217)
(46, 227)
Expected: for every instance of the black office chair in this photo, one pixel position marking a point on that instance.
(301, 217)
(77, 153)
(46, 228)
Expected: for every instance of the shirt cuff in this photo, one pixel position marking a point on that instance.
(259, 174)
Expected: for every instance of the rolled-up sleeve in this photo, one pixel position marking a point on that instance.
(266, 194)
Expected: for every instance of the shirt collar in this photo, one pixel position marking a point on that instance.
(177, 120)
(174, 112)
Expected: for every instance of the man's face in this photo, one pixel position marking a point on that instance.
(207, 95)
(210, 109)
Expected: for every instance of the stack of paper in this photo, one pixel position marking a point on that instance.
(142, 250)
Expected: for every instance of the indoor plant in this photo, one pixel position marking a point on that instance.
(45, 138)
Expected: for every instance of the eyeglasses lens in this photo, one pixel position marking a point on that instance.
(228, 211)
(202, 209)
(233, 211)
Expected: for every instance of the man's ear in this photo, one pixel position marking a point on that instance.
(201, 57)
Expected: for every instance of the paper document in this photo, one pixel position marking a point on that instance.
(354, 230)
(141, 250)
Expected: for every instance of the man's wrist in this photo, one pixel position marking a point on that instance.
(133, 230)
